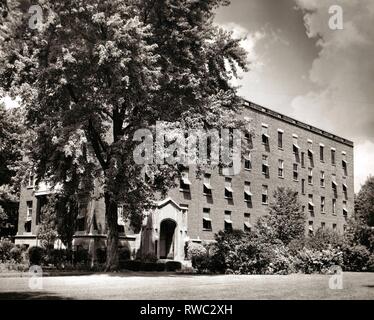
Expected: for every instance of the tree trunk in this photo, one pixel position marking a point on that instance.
(112, 233)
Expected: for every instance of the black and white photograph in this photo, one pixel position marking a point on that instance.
(204, 151)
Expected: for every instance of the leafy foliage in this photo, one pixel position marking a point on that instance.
(96, 71)
(285, 220)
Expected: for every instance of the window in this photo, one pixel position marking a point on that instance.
(264, 194)
(345, 210)
(247, 192)
(310, 175)
(207, 188)
(334, 206)
(302, 186)
(280, 139)
(295, 148)
(228, 222)
(323, 225)
(334, 187)
(248, 162)
(310, 153)
(265, 166)
(228, 188)
(302, 159)
(322, 179)
(345, 191)
(184, 182)
(323, 201)
(344, 164)
(120, 220)
(247, 222)
(333, 159)
(207, 221)
(31, 180)
(265, 136)
(310, 228)
(334, 226)
(295, 172)
(311, 205)
(248, 139)
(280, 168)
(322, 152)
(28, 216)
(29, 210)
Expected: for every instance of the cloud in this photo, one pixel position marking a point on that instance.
(342, 99)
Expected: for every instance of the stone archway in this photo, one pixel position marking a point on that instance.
(168, 239)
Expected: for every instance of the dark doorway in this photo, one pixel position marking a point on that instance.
(167, 239)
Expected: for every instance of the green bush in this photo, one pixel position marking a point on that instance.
(357, 258)
(203, 263)
(16, 254)
(317, 261)
(324, 239)
(60, 258)
(195, 249)
(5, 247)
(36, 255)
(132, 265)
(173, 266)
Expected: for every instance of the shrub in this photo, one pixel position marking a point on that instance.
(36, 255)
(60, 257)
(202, 263)
(173, 266)
(324, 239)
(357, 258)
(16, 254)
(195, 249)
(317, 261)
(132, 265)
(5, 247)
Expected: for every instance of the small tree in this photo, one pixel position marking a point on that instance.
(286, 219)
(48, 229)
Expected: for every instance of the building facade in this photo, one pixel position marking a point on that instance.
(285, 153)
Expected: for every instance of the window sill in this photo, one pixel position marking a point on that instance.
(227, 198)
(281, 149)
(247, 169)
(185, 190)
(265, 204)
(208, 230)
(280, 177)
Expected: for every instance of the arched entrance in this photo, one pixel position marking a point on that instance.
(167, 239)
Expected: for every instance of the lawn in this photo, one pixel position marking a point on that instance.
(172, 286)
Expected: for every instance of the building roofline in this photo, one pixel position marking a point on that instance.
(297, 123)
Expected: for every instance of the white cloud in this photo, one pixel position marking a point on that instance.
(364, 155)
(342, 74)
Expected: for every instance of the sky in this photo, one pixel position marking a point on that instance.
(301, 67)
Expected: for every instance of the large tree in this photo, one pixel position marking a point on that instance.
(95, 71)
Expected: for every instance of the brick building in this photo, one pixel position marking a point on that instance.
(286, 152)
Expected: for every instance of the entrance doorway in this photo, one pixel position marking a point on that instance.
(167, 239)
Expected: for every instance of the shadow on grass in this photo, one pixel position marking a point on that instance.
(35, 295)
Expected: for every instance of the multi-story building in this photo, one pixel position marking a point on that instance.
(285, 152)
